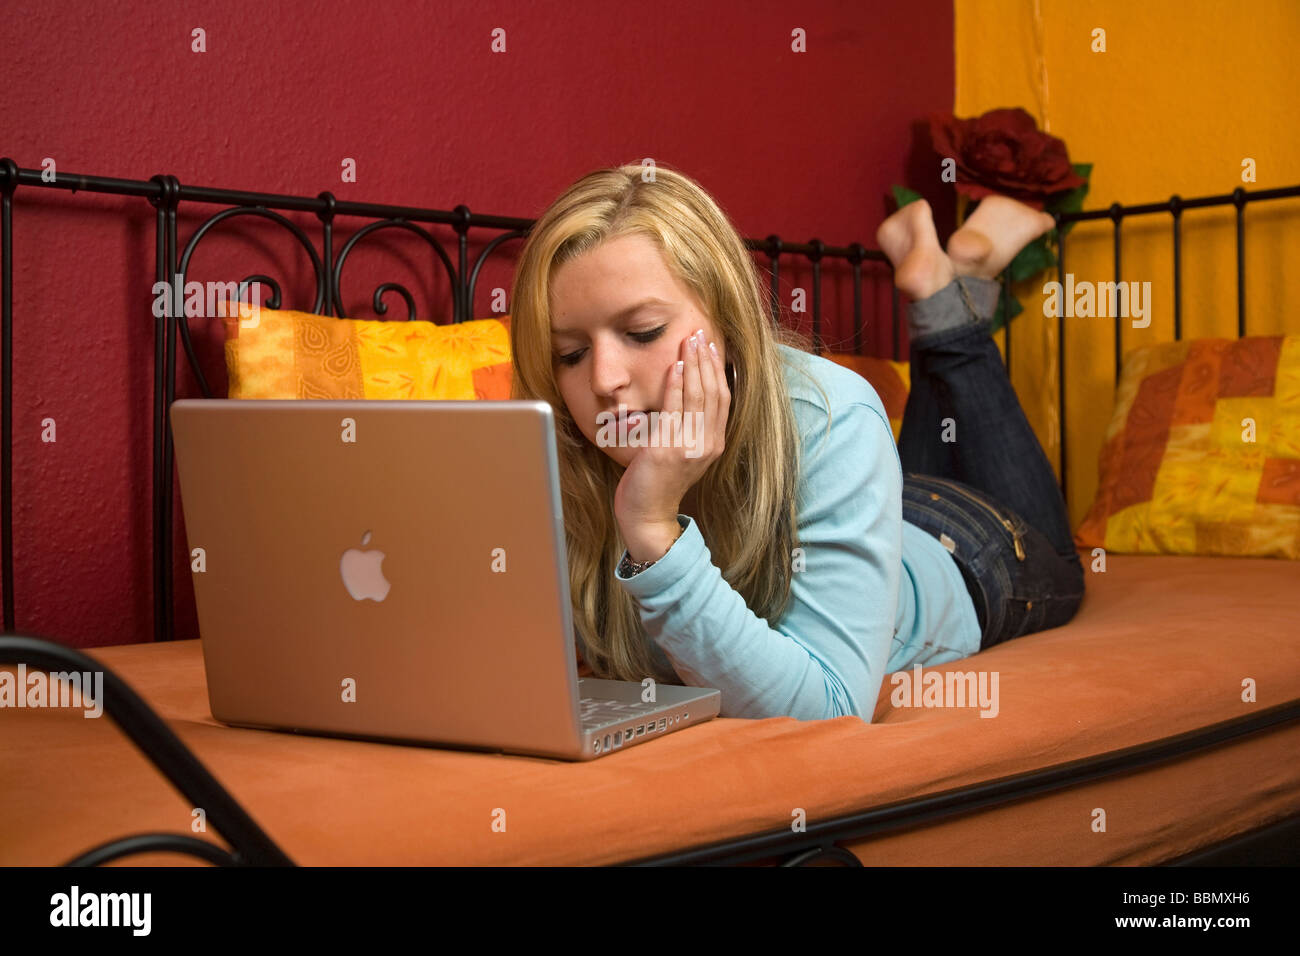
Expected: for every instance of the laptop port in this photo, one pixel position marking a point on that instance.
(640, 731)
(607, 741)
(618, 738)
(662, 723)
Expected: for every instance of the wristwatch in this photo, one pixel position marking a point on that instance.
(628, 568)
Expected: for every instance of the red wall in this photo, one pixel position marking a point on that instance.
(802, 145)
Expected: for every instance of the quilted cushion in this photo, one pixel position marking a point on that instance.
(1202, 453)
(284, 354)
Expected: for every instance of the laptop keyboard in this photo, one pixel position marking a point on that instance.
(597, 712)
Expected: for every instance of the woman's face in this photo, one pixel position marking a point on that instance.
(619, 320)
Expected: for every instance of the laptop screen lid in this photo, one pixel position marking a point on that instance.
(392, 569)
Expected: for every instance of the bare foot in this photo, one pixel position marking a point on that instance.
(908, 238)
(998, 229)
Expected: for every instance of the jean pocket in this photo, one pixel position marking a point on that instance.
(1012, 525)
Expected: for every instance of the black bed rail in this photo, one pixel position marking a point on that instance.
(166, 193)
(820, 840)
(253, 847)
(250, 845)
(172, 262)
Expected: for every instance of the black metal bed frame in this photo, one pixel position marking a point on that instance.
(250, 845)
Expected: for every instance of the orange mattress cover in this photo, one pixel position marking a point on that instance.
(1161, 646)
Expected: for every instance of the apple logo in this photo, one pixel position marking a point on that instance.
(361, 573)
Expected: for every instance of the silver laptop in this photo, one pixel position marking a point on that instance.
(396, 570)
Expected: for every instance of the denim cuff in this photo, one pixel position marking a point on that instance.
(976, 330)
(941, 310)
(983, 294)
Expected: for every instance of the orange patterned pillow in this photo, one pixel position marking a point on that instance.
(282, 354)
(891, 380)
(1202, 454)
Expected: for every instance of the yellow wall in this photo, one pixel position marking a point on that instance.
(1184, 92)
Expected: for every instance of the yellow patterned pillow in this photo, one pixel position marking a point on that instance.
(282, 354)
(1202, 454)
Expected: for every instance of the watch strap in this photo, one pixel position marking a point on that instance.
(628, 568)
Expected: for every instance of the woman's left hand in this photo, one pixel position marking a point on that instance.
(652, 488)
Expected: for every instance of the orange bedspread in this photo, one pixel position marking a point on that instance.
(1161, 646)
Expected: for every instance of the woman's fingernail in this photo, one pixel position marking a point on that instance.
(680, 365)
(713, 348)
(695, 343)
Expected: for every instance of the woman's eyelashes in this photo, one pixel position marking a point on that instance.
(573, 358)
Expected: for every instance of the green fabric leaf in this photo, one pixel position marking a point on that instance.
(1072, 201)
(903, 195)
(1032, 260)
(1007, 305)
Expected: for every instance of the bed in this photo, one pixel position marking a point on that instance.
(1125, 737)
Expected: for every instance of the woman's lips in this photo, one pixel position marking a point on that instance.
(631, 416)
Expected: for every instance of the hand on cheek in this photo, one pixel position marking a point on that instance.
(689, 436)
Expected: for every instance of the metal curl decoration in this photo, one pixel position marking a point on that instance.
(831, 852)
(381, 307)
(183, 269)
(389, 286)
(482, 257)
(274, 301)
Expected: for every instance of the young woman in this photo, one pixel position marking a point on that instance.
(780, 554)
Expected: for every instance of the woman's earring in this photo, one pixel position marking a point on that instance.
(731, 377)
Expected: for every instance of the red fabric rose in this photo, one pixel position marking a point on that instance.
(1004, 152)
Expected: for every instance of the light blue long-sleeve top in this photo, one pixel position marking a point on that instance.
(876, 594)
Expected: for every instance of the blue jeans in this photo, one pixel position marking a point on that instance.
(987, 492)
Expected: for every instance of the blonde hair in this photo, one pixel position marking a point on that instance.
(746, 498)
